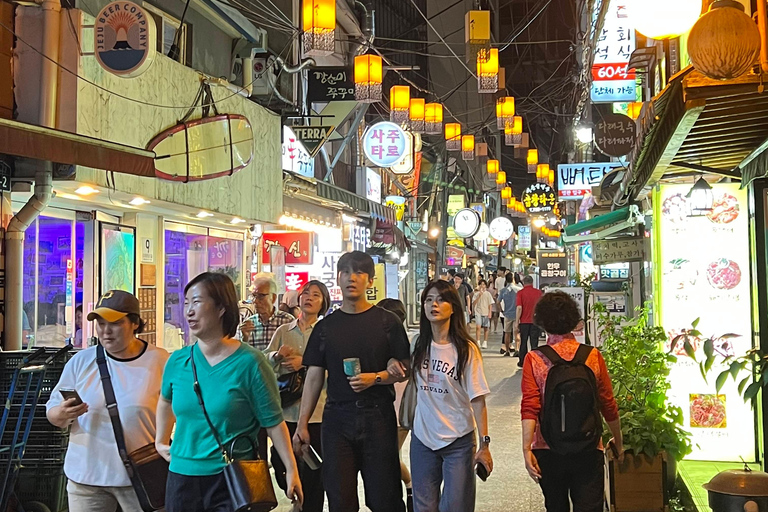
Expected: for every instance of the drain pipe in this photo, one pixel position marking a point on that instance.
(272, 80)
(14, 233)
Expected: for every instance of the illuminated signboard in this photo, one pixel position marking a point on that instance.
(384, 144)
(576, 180)
(611, 81)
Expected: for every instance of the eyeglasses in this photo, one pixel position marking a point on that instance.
(260, 296)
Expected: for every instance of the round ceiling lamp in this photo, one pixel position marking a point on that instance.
(725, 42)
(662, 19)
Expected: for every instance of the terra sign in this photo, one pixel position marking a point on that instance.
(125, 39)
(384, 144)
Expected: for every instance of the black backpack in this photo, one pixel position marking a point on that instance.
(570, 420)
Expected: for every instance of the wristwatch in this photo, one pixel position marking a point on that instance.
(378, 379)
(485, 440)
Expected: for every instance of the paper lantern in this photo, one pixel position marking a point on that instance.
(505, 111)
(399, 103)
(506, 193)
(532, 160)
(488, 72)
(319, 25)
(453, 136)
(513, 132)
(416, 115)
(468, 147)
(433, 118)
(662, 19)
(634, 108)
(368, 75)
(492, 166)
(477, 34)
(542, 173)
(725, 42)
(501, 180)
(551, 177)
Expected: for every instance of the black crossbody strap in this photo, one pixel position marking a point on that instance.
(114, 415)
(199, 394)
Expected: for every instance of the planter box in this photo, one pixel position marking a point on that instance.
(639, 484)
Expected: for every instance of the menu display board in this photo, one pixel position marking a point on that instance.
(703, 272)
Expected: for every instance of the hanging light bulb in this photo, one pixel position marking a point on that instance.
(700, 199)
(417, 111)
(433, 118)
(513, 132)
(501, 180)
(399, 103)
(488, 72)
(532, 160)
(468, 147)
(453, 136)
(505, 111)
(319, 23)
(492, 166)
(368, 75)
(477, 34)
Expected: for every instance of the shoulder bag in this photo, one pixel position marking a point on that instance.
(248, 481)
(290, 386)
(407, 412)
(147, 470)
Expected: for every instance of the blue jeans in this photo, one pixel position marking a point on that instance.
(452, 466)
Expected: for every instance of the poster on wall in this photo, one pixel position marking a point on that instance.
(703, 273)
(118, 258)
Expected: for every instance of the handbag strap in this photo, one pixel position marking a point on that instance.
(114, 415)
(199, 394)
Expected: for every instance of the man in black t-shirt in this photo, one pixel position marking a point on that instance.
(359, 433)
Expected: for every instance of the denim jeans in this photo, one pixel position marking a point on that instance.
(528, 332)
(361, 437)
(451, 466)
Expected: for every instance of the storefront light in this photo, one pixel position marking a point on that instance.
(518, 261)
(86, 190)
(236, 220)
(700, 198)
(434, 232)
(307, 225)
(138, 201)
(538, 222)
(202, 214)
(584, 134)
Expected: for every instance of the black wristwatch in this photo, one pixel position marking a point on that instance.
(485, 440)
(378, 379)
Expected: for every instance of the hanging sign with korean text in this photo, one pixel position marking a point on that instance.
(384, 144)
(539, 198)
(611, 80)
(524, 238)
(574, 181)
(295, 158)
(312, 137)
(553, 267)
(619, 250)
(615, 134)
(330, 84)
(298, 246)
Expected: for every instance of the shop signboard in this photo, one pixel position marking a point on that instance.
(378, 291)
(5, 176)
(397, 203)
(330, 84)
(277, 255)
(524, 238)
(611, 80)
(614, 271)
(703, 272)
(615, 134)
(312, 137)
(372, 185)
(618, 250)
(393, 281)
(298, 245)
(454, 253)
(295, 158)
(405, 165)
(358, 235)
(574, 181)
(295, 280)
(384, 144)
(539, 198)
(456, 202)
(323, 268)
(577, 294)
(466, 223)
(553, 267)
(124, 39)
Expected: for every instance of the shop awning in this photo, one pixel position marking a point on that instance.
(32, 141)
(603, 226)
(386, 234)
(361, 204)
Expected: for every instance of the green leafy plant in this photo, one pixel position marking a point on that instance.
(749, 370)
(639, 369)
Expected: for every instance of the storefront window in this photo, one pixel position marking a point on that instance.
(187, 254)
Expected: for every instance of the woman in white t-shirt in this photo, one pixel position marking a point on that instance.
(451, 401)
(97, 478)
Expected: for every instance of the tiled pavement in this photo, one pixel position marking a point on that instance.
(508, 489)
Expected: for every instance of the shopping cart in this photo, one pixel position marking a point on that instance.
(18, 413)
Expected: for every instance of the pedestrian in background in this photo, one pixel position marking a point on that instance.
(529, 332)
(285, 352)
(355, 345)
(567, 464)
(483, 300)
(97, 477)
(451, 404)
(239, 391)
(465, 293)
(508, 306)
(495, 307)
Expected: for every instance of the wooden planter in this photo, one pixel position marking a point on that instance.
(639, 484)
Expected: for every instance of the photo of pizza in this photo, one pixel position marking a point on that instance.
(675, 208)
(707, 411)
(725, 209)
(724, 274)
(680, 273)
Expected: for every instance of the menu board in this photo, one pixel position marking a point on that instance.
(704, 273)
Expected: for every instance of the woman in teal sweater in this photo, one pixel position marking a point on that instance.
(240, 394)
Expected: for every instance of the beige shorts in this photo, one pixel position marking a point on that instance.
(509, 324)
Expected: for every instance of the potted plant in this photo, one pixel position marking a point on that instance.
(652, 428)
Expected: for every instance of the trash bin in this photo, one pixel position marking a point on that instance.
(738, 490)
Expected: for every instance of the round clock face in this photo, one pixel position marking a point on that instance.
(466, 222)
(502, 228)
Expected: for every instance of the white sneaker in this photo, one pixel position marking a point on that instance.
(485, 344)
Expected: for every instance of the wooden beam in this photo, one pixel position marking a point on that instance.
(692, 111)
(721, 144)
(705, 168)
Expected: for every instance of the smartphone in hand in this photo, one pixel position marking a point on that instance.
(481, 471)
(71, 393)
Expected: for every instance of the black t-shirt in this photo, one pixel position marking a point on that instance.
(375, 336)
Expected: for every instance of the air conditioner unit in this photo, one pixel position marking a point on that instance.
(260, 75)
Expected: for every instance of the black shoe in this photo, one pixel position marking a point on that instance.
(502, 351)
(409, 499)
(507, 354)
(520, 364)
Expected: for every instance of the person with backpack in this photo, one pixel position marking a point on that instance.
(566, 388)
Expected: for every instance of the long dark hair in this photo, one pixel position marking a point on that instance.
(457, 330)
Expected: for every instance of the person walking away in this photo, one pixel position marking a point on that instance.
(451, 404)
(355, 345)
(508, 306)
(398, 308)
(466, 295)
(566, 383)
(483, 302)
(495, 313)
(239, 392)
(285, 352)
(97, 477)
(529, 332)
(501, 278)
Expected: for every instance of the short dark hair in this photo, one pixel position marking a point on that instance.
(221, 289)
(356, 261)
(452, 272)
(528, 280)
(557, 313)
(509, 278)
(396, 306)
(459, 275)
(482, 281)
(136, 319)
(79, 308)
(326, 305)
(502, 269)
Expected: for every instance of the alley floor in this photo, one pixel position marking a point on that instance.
(508, 489)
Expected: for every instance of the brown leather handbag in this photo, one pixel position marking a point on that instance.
(248, 481)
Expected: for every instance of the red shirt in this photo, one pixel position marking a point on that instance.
(535, 370)
(527, 298)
